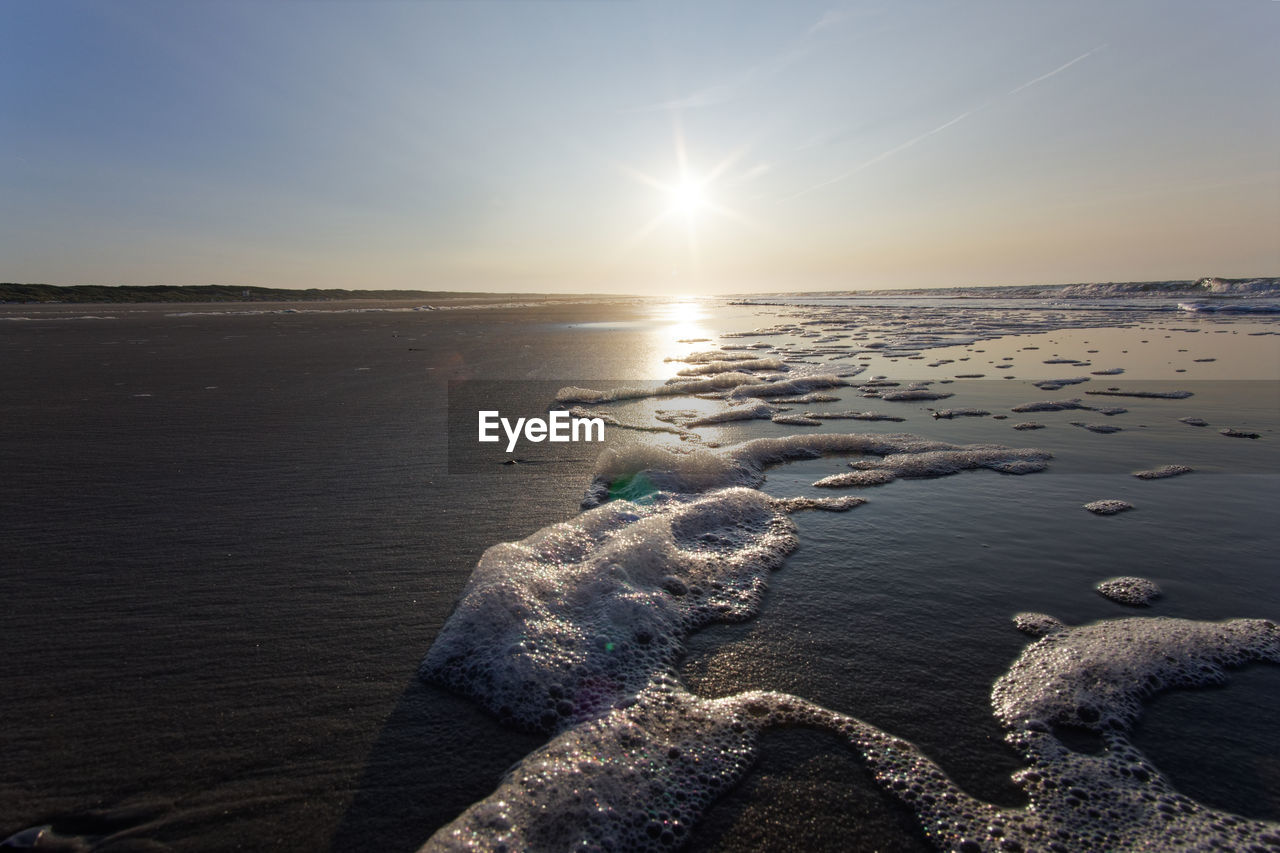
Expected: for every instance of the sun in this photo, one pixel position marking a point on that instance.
(688, 198)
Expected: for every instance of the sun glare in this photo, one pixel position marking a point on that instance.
(688, 198)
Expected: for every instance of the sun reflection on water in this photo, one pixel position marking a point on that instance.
(679, 327)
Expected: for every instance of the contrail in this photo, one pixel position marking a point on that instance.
(876, 159)
(1057, 70)
(910, 142)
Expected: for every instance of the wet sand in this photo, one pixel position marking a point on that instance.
(230, 538)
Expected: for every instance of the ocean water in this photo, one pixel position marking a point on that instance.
(231, 538)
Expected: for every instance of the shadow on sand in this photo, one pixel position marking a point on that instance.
(436, 755)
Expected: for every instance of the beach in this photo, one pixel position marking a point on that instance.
(233, 534)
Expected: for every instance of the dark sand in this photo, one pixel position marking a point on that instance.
(228, 541)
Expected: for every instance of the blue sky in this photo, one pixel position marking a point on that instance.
(542, 146)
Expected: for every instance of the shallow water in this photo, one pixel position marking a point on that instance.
(222, 589)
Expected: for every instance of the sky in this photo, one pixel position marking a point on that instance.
(626, 146)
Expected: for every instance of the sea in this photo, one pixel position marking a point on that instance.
(265, 589)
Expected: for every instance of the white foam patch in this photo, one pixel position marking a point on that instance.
(842, 504)
(1129, 590)
(1153, 395)
(1096, 676)
(796, 420)
(813, 397)
(948, 414)
(610, 420)
(1163, 472)
(713, 355)
(1055, 384)
(1037, 624)
(1098, 428)
(1109, 506)
(910, 394)
(736, 384)
(635, 779)
(748, 412)
(854, 416)
(554, 629)
(712, 367)
(640, 775)
(940, 463)
(637, 472)
(856, 478)
(717, 382)
(784, 387)
(1049, 406)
